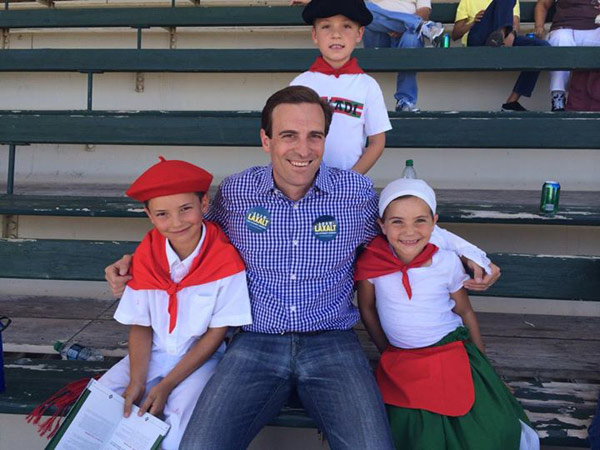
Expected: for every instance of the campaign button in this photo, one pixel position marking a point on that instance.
(258, 219)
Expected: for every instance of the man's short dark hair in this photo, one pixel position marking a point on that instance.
(293, 95)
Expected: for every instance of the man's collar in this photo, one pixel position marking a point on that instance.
(322, 180)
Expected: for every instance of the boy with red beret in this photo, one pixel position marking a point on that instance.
(188, 286)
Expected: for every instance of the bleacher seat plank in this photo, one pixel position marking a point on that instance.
(454, 206)
(560, 411)
(540, 400)
(539, 326)
(533, 276)
(144, 17)
(297, 60)
(476, 129)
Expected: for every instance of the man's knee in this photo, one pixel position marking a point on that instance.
(410, 40)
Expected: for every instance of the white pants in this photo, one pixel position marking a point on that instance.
(529, 438)
(567, 37)
(183, 398)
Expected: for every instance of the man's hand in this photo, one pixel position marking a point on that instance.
(481, 280)
(156, 400)
(539, 32)
(479, 16)
(133, 394)
(117, 275)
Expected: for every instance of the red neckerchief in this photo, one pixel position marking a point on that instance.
(150, 267)
(351, 67)
(378, 259)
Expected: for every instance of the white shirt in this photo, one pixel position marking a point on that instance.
(220, 303)
(359, 112)
(403, 6)
(427, 317)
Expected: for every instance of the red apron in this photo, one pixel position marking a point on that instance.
(436, 379)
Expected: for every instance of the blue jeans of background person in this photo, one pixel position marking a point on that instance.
(376, 36)
(594, 429)
(255, 378)
(499, 14)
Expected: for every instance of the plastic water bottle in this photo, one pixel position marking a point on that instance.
(76, 351)
(409, 170)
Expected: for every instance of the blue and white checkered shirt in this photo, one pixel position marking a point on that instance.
(299, 255)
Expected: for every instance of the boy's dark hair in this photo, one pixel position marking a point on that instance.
(293, 95)
(199, 194)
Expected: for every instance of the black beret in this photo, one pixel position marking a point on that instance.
(353, 9)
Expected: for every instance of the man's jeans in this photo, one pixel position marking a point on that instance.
(255, 378)
(376, 36)
(499, 14)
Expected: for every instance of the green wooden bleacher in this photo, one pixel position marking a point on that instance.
(551, 361)
(188, 16)
(240, 128)
(297, 60)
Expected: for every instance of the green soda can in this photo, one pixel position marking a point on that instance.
(445, 40)
(550, 196)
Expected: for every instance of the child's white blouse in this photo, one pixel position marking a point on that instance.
(220, 303)
(427, 317)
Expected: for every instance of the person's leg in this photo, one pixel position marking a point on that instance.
(385, 21)
(587, 38)
(406, 82)
(338, 390)
(249, 387)
(526, 81)
(498, 15)
(559, 79)
(183, 398)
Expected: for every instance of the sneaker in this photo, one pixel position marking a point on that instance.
(513, 106)
(432, 31)
(495, 39)
(558, 101)
(402, 106)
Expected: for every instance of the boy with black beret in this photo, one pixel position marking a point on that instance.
(355, 97)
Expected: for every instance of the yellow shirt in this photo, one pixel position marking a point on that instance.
(468, 9)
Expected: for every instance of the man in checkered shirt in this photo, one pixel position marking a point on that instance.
(297, 225)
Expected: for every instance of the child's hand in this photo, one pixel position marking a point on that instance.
(479, 15)
(155, 400)
(133, 394)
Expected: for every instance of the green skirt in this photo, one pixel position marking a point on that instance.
(491, 424)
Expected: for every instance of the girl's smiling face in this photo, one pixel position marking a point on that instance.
(407, 224)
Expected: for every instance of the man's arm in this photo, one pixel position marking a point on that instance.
(484, 272)
(463, 26)
(423, 13)
(540, 14)
(371, 153)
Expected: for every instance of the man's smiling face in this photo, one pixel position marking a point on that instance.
(296, 146)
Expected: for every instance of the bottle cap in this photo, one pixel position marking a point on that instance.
(58, 346)
(409, 162)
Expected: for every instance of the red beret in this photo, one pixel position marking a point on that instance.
(168, 178)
